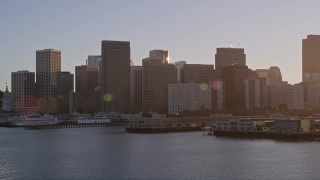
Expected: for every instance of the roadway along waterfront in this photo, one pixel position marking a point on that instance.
(111, 153)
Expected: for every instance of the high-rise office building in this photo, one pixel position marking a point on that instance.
(136, 88)
(274, 75)
(188, 97)
(156, 76)
(66, 87)
(66, 84)
(283, 93)
(217, 86)
(311, 59)
(255, 93)
(95, 61)
(228, 56)
(23, 92)
(115, 56)
(179, 66)
(161, 55)
(234, 86)
(86, 78)
(197, 73)
(48, 67)
(262, 73)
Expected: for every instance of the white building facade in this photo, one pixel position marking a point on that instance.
(6, 100)
(188, 97)
(284, 93)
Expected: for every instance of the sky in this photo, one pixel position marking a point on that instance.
(271, 32)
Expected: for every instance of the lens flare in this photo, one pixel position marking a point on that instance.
(216, 85)
(204, 86)
(108, 97)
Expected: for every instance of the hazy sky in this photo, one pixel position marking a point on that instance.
(271, 32)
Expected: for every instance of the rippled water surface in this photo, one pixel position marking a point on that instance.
(111, 153)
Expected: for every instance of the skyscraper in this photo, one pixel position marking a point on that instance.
(274, 75)
(284, 93)
(115, 56)
(228, 56)
(156, 76)
(86, 78)
(95, 61)
(66, 84)
(161, 55)
(234, 86)
(136, 88)
(23, 92)
(65, 88)
(255, 93)
(311, 59)
(196, 73)
(48, 67)
(179, 66)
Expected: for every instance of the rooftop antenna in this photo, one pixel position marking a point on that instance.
(230, 45)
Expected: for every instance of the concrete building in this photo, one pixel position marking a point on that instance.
(234, 87)
(23, 92)
(86, 78)
(274, 75)
(161, 55)
(311, 59)
(284, 93)
(188, 97)
(115, 56)
(136, 88)
(156, 76)
(228, 56)
(262, 73)
(179, 66)
(217, 86)
(66, 87)
(196, 73)
(313, 96)
(95, 61)
(255, 93)
(6, 100)
(87, 103)
(48, 67)
(66, 84)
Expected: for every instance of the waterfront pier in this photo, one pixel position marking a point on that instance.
(70, 125)
(59, 126)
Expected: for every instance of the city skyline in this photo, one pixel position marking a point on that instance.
(270, 32)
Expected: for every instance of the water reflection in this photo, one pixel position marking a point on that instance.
(110, 153)
(7, 170)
